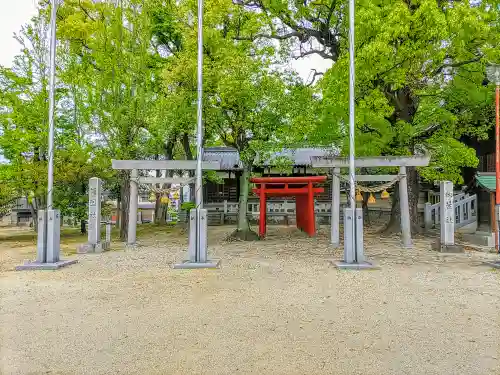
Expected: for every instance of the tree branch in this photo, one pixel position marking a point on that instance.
(320, 52)
(316, 74)
(427, 132)
(322, 33)
(368, 129)
(85, 10)
(330, 12)
(250, 3)
(456, 65)
(271, 36)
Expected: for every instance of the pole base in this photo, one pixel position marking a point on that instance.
(93, 248)
(45, 266)
(186, 265)
(341, 265)
(495, 264)
(442, 248)
(132, 246)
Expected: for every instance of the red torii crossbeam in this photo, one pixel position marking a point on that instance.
(300, 187)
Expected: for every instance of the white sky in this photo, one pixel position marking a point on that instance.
(18, 12)
(14, 14)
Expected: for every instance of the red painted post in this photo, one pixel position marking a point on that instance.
(299, 211)
(311, 225)
(263, 211)
(497, 160)
(497, 145)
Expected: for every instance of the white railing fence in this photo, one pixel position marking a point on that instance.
(465, 211)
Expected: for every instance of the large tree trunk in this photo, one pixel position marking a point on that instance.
(189, 156)
(364, 206)
(405, 108)
(34, 215)
(158, 208)
(124, 205)
(243, 224)
(83, 227)
(243, 231)
(163, 213)
(364, 203)
(394, 225)
(169, 155)
(192, 190)
(118, 211)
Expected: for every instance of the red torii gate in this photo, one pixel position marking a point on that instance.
(300, 187)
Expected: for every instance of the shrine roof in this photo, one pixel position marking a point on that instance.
(486, 181)
(229, 157)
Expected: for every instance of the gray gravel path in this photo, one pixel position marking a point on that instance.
(275, 307)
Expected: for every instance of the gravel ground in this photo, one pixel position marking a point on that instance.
(275, 307)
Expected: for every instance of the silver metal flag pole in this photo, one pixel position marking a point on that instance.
(199, 115)
(200, 233)
(352, 118)
(52, 81)
(353, 219)
(48, 236)
(198, 224)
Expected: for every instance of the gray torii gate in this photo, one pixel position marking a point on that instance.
(197, 255)
(402, 162)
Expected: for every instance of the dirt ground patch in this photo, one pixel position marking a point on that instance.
(275, 307)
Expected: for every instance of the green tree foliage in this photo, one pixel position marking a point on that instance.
(75, 165)
(248, 105)
(7, 192)
(410, 56)
(23, 115)
(114, 69)
(24, 127)
(127, 88)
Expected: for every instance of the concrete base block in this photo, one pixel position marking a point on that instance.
(438, 246)
(480, 238)
(495, 264)
(102, 247)
(132, 246)
(45, 266)
(341, 265)
(468, 229)
(85, 249)
(197, 265)
(90, 248)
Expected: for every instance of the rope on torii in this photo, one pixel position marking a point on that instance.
(163, 191)
(372, 189)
